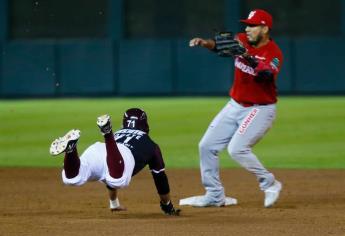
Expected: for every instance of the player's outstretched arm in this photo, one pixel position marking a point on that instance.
(163, 189)
(157, 167)
(114, 203)
(206, 43)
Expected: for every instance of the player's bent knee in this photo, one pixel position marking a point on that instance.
(76, 181)
(204, 147)
(237, 152)
(201, 145)
(72, 184)
(121, 182)
(116, 184)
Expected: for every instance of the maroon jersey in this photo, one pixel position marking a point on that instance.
(247, 88)
(144, 150)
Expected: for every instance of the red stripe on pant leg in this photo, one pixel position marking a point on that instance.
(114, 159)
(247, 120)
(71, 164)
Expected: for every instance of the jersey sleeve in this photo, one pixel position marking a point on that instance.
(272, 65)
(157, 168)
(156, 164)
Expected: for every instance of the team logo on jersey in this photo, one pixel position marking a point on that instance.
(275, 63)
(249, 118)
(124, 136)
(243, 67)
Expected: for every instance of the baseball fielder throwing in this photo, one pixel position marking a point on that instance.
(114, 162)
(248, 115)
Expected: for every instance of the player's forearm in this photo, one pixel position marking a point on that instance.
(162, 185)
(161, 182)
(206, 43)
(209, 44)
(260, 65)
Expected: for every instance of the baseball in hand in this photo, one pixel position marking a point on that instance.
(193, 43)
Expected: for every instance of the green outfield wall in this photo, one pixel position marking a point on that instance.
(113, 62)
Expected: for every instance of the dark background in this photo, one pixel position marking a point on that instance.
(54, 48)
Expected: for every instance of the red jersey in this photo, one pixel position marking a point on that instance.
(246, 89)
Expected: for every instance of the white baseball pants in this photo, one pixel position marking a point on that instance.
(93, 167)
(238, 129)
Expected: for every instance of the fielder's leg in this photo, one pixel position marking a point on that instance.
(253, 127)
(214, 140)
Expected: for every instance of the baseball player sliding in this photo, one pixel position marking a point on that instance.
(114, 162)
(248, 115)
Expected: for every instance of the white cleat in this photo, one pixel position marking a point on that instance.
(272, 193)
(230, 201)
(104, 124)
(66, 143)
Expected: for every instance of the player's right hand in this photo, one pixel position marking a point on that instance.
(206, 43)
(195, 42)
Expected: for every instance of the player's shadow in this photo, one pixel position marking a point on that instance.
(142, 215)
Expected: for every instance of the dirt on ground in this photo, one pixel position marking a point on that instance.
(34, 201)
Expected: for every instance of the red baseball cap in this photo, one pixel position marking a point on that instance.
(259, 17)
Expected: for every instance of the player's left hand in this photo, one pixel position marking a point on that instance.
(114, 205)
(227, 46)
(169, 209)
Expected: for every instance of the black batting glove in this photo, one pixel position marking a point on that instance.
(169, 209)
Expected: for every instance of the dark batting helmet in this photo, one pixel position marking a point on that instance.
(135, 118)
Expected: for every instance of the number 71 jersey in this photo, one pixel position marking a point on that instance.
(144, 150)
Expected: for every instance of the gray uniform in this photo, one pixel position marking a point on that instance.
(238, 129)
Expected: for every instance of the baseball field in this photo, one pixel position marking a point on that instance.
(304, 149)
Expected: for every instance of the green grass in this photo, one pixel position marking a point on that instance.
(309, 132)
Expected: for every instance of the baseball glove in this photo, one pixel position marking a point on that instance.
(227, 46)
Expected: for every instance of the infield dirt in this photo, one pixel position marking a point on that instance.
(35, 202)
